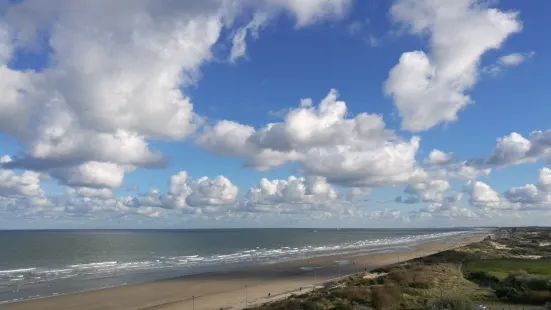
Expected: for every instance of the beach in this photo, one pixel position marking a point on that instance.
(238, 288)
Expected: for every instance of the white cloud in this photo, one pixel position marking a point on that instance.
(307, 12)
(515, 149)
(293, 191)
(356, 151)
(239, 44)
(533, 195)
(310, 198)
(514, 59)
(212, 192)
(5, 159)
(92, 174)
(510, 149)
(438, 158)
(116, 71)
(227, 138)
(5, 46)
(484, 197)
(430, 89)
(429, 191)
(464, 171)
(507, 61)
(544, 179)
(385, 214)
(444, 212)
(177, 185)
(19, 185)
(194, 196)
(101, 193)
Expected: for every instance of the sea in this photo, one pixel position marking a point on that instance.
(36, 264)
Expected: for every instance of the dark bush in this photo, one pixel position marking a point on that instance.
(451, 303)
(508, 294)
(525, 281)
(417, 277)
(314, 305)
(482, 278)
(343, 305)
(385, 296)
(523, 295)
(401, 277)
(359, 294)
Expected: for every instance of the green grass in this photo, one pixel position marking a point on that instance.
(500, 268)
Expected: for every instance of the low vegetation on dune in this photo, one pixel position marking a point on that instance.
(500, 268)
(488, 272)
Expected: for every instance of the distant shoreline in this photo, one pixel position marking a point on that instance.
(223, 289)
(58, 276)
(252, 228)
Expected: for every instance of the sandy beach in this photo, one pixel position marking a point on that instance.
(235, 289)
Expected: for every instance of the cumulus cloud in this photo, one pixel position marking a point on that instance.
(19, 185)
(101, 193)
(92, 174)
(22, 193)
(485, 198)
(310, 197)
(194, 196)
(464, 171)
(358, 151)
(438, 158)
(429, 89)
(121, 206)
(289, 195)
(443, 211)
(429, 191)
(212, 192)
(533, 195)
(115, 74)
(515, 149)
(516, 199)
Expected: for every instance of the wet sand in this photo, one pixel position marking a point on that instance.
(234, 289)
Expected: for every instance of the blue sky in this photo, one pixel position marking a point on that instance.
(97, 116)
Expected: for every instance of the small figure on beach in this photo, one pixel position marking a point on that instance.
(300, 289)
(269, 294)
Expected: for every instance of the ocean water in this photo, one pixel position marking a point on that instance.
(36, 264)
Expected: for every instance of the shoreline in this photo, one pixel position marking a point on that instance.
(237, 288)
(147, 276)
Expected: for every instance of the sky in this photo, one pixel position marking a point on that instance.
(274, 113)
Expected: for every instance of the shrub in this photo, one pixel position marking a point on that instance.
(508, 293)
(523, 280)
(482, 278)
(314, 305)
(451, 303)
(523, 295)
(384, 296)
(343, 306)
(401, 277)
(358, 294)
(416, 277)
